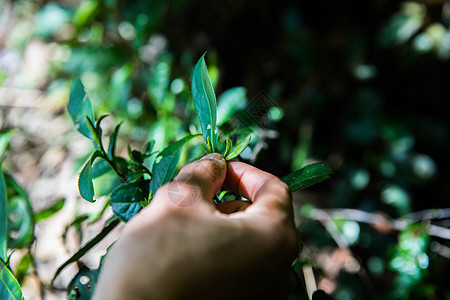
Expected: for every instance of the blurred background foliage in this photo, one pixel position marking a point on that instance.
(360, 85)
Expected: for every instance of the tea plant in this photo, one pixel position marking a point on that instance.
(137, 179)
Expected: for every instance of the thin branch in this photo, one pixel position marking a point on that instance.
(326, 219)
(382, 221)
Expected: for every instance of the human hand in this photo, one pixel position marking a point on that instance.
(183, 246)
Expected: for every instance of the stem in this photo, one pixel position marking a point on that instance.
(113, 166)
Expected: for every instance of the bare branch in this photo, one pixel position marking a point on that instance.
(324, 215)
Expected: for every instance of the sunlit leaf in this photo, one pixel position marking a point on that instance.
(229, 102)
(50, 211)
(85, 185)
(110, 225)
(22, 268)
(80, 107)
(205, 102)
(307, 176)
(239, 148)
(159, 83)
(85, 11)
(5, 137)
(164, 169)
(229, 146)
(120, 87)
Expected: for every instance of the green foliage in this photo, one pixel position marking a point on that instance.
(9, 287)
(138, 184)
(410, 259)
(367, 97)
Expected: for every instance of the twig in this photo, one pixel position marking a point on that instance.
(325, 218)
(393, 224)
(310, 281)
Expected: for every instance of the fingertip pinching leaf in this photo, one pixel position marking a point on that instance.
(238, 149)
(205, 102)
(80, 107)
(85, 184)
(307, 176)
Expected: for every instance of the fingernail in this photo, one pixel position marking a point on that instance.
(214, 156)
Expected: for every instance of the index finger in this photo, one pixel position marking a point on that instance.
(268, 193)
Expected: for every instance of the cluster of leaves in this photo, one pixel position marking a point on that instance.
(137, 183)
(367, 95)
(17, 222)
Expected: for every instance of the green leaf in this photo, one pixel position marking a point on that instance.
(135, 155)
(164, 168)
(79, 108)
(229, 147)
(20, 223)
(126, 200)
(239, 148)
(3, 218)
(100, 167)
(159, 83)
(110, 225)
(205, 102)
(99, 131)
(148, 148)
(9, 286)
(20, 216)
(307, 176)
(83, 284)
(5, 137)
(22, 268)
(113, 141)
(85, 11)
(229, 102)
(205, 148)
(50, 211)
(85, 185)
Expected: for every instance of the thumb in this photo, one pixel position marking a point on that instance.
(197, 182)
(207, 174)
